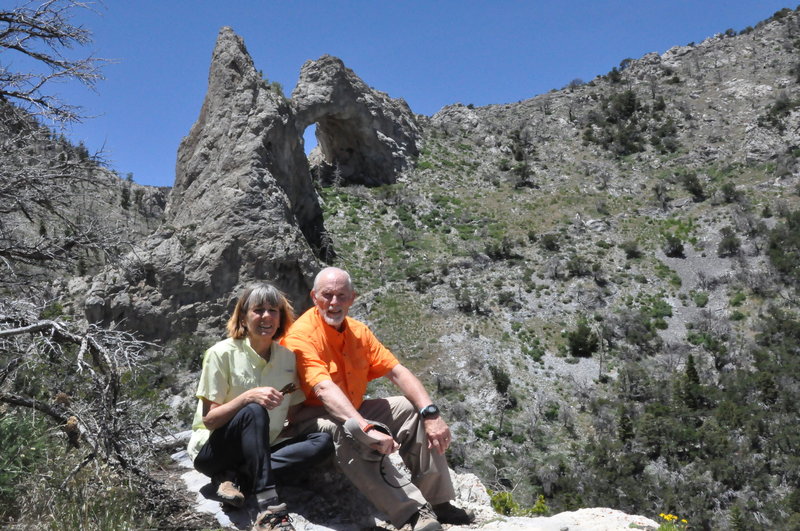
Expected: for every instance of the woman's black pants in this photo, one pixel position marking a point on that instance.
(242, 445)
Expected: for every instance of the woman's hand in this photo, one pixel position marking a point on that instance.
(267, 397)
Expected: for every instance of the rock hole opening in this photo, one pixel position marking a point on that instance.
(310, 138)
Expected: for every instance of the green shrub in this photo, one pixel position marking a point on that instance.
(540, 508)
(708, 341)
(664, 272)
(23, 445)
(582, 342)
(730, 244)
(500, 250)
(660, 308)
(616, 125)
(783, 248)
(53, 310)
(660, 323)
(577, 266)
(631, 249)
(110, 505)
(738, 298)
(700, 299)
(486, 432)
(504, 503)
(673, 246)
(551, 410)
(730, 193)
(549, 242)
(534, 350)
(125, 199)
(502, 380)
(518, 438)
(692, 185)
(778, 111)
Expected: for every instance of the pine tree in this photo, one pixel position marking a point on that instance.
(737, 519)
(625, 429)
(691, 390)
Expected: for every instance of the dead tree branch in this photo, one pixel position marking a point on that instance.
(83, 369)
(43, 31)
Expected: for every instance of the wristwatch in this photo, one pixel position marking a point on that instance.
(429, 411)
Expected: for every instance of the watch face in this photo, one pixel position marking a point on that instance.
(430, 411)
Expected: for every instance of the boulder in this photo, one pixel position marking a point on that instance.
(324, 500)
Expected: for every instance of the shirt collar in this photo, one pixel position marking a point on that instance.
(253, 354)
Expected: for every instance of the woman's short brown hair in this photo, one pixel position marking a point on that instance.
(261, 294)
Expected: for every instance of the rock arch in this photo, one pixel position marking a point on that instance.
(363, 135)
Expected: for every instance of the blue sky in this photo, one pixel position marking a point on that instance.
(431, 53)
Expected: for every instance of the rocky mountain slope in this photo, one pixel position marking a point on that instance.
(552, 265)
(63, 213)
(598, 284)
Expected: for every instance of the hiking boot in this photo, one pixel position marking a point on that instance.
(230, 494)
(227, 491)
(447, 513)
(424, 520)
(274, 517)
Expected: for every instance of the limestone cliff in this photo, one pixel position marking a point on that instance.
(244, 207)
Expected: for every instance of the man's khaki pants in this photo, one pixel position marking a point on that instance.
(374, 476)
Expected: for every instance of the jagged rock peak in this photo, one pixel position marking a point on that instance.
(235, 104)
(243, 209)
(363, 135)
(231, 64)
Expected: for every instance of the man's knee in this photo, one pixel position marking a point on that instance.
(320, 425)
(402, 408)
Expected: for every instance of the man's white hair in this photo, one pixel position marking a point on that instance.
(336, 271)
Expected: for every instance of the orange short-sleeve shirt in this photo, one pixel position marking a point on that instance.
(350, 358)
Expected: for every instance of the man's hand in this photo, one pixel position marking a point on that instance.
(386, 444)
(438, 433)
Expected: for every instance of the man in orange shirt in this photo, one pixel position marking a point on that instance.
(336, 357)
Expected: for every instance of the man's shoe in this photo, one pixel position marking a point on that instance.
(448, 513)
(274, 517)
(425, 520)
(228, 493)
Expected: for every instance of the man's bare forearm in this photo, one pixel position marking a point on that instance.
(410, 386)
(336, 402)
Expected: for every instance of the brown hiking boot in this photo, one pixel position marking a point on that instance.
(274, 517)
(448, 513)
(227, 491)
(424, 520)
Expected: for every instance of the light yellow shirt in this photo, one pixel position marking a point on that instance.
(232, 367)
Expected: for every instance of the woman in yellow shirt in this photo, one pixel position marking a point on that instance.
(248, 393)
